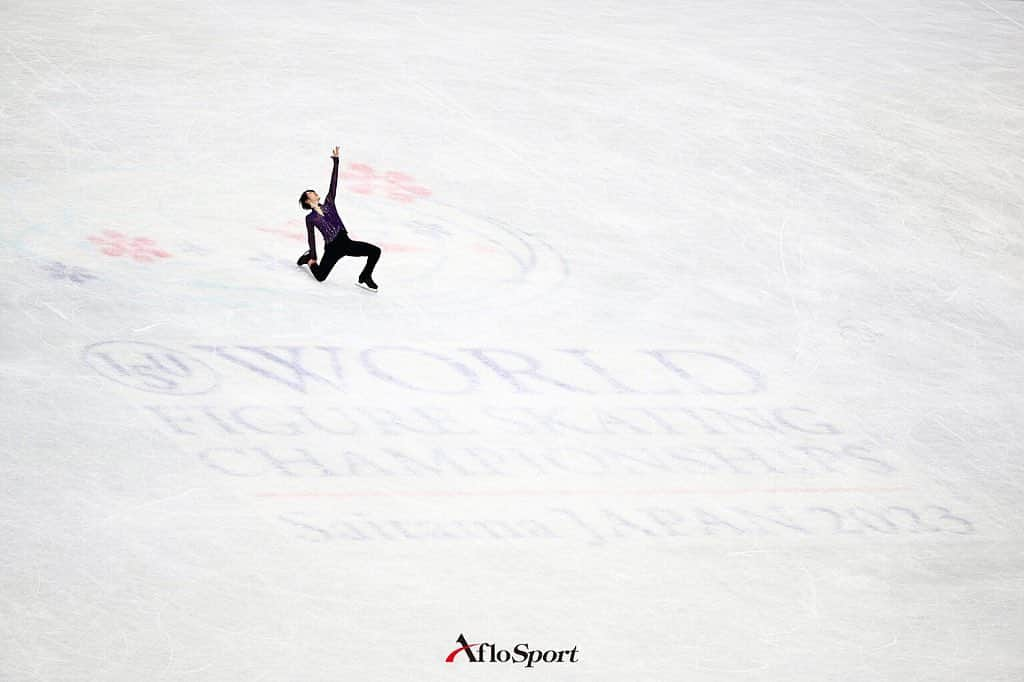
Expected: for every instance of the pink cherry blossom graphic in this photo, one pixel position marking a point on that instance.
(141, 249)
(361, 178)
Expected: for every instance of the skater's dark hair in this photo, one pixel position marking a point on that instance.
(304, 201)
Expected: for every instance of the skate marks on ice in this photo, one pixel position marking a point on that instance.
(516, 444)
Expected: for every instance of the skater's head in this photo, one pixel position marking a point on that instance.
(309, 199)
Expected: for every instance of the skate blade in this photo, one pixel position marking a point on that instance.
(366, 288)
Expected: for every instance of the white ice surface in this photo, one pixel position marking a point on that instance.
(215, 468)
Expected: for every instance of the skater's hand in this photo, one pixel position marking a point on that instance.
(312, 262)
(334, 154)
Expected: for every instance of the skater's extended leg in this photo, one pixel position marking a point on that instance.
(371, 252)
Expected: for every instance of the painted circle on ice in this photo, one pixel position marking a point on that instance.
(447, 253)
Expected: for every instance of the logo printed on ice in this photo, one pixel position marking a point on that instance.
(488, 652)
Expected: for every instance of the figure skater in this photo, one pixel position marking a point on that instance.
(336, 242)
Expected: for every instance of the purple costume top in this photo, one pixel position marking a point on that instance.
(329, 223)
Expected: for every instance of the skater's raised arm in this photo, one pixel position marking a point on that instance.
(334, 176)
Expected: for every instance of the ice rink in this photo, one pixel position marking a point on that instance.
(698, 350)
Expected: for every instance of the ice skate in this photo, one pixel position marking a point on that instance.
(366, 282)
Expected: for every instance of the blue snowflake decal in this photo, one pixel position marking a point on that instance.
(74, 273)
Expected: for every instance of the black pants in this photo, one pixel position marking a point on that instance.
(343, 246)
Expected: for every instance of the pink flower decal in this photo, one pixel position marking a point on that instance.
(361, 178)
(141, 249)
